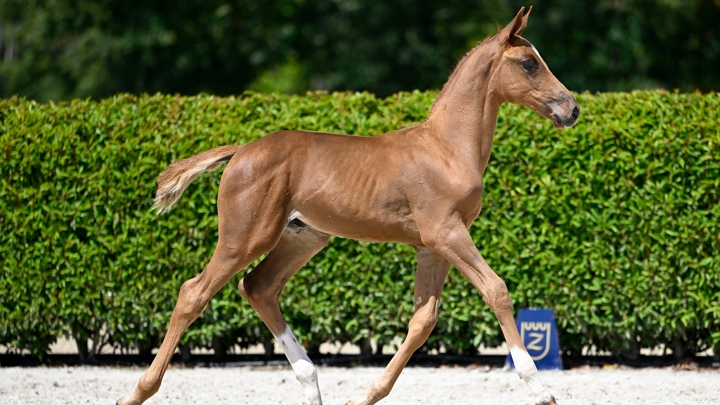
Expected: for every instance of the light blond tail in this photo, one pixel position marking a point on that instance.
(175, 179)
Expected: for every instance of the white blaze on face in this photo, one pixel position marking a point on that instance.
(528, 372)
(302, 366)
(536, 51)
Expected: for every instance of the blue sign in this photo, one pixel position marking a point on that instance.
(539, 335)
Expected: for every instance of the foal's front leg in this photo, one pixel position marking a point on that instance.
(454, 243)
(429, 279)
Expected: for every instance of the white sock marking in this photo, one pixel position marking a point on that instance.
(303, 367)
(528, 372)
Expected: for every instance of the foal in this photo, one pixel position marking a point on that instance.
(289, 191)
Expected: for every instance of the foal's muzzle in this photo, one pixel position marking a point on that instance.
(565, 113)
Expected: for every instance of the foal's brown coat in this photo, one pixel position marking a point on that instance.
(287, 192)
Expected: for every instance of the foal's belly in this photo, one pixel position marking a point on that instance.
(377, 214)
(371, 223)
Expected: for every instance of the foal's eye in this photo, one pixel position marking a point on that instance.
(528, 65)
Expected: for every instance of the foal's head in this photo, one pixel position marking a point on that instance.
(522, 77)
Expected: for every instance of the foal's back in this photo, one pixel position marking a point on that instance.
(350, 186)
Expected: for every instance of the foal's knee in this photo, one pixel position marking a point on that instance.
(149, 386)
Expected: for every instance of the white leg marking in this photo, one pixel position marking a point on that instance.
(528, 372)
(303, 367)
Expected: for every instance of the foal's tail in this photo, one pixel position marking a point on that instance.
(175, 179)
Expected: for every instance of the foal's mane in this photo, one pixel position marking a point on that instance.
(454, 73)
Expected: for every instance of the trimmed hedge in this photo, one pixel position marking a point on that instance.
(613, 224)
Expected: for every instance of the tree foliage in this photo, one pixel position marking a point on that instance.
(63, 49)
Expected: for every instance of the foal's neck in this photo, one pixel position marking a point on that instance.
(465, 111)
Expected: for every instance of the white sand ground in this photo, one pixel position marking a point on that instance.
(442, 386)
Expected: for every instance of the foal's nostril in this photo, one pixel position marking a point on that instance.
(575, 113)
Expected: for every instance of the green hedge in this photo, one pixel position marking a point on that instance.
(613, 224)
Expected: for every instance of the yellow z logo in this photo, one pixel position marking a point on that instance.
(536, 331)
(534, 344)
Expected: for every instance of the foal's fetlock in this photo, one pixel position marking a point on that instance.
(357, 402)
(547, 401)
(309, 401)
(128, 401)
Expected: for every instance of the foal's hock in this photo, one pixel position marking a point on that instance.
(288, 192)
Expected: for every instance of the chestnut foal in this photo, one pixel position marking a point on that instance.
(289, 191)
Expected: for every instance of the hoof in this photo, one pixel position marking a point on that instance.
(547, 401)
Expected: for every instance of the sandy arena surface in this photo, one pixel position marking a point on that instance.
(277, 385)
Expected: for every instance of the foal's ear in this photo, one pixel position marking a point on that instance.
(524, 22)
(516, 26)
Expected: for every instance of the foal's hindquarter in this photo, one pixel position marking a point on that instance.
(289, 191)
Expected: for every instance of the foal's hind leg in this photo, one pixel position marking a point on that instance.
(248, 227)
(262, 287)
(429, 279)
(195, 294)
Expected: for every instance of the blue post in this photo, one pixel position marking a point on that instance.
(539, 335)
